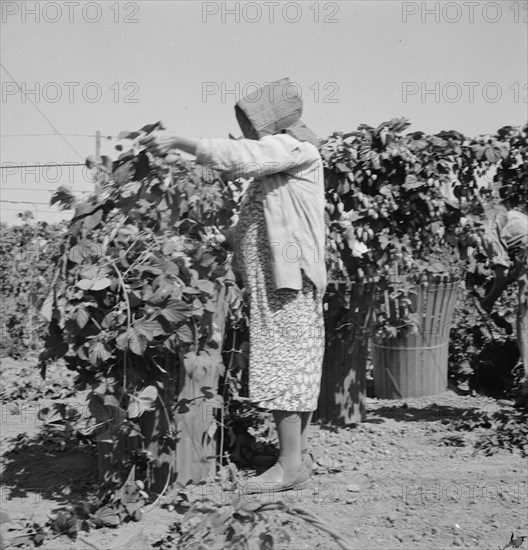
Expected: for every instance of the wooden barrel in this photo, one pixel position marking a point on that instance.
(348, 315)
(414, 363)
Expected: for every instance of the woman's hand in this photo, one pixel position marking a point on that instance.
(160, 142)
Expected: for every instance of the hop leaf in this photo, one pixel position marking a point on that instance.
(64, 197)
(66, 524)
(91, 162)
(143, 402)
(107, 517)
(128, 135)
(106, 411)
(99, 354)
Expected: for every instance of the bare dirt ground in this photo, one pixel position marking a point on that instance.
(388, 483)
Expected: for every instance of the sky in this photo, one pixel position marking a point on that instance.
(110, 66)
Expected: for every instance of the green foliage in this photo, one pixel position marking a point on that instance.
(131, 287)
(513, 170)
(59, 433)
(401, 207)
(387, 205)
(222, 523)
(136, 294)
(21, 381)
(111, 510)
(483, 351)
(387, 198)
(26, 264)
(505, 429)
(139, 278)
(114, 507)
(27, 533)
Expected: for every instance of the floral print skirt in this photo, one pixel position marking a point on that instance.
(286, 327)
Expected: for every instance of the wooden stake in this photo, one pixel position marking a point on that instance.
(97, 144)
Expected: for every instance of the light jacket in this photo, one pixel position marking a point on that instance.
(290, 174)
(508, 234)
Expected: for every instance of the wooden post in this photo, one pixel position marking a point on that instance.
(343, 383)
(97, 144)
(196, 439)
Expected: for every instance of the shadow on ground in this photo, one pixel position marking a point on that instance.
(420, 413)
(36, 465)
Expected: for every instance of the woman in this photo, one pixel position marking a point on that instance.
(506, 244)
(279, 247)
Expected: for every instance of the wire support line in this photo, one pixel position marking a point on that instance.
(26, 202)
(64, 134)
(48, 165)
(39, 189)
(36, 210)
(41, 113)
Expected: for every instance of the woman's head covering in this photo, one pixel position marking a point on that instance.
(275, 108)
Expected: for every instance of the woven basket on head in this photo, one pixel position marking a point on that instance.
(272, 109)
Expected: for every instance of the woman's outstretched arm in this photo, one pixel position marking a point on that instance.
(240, 158)
(162, 142)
